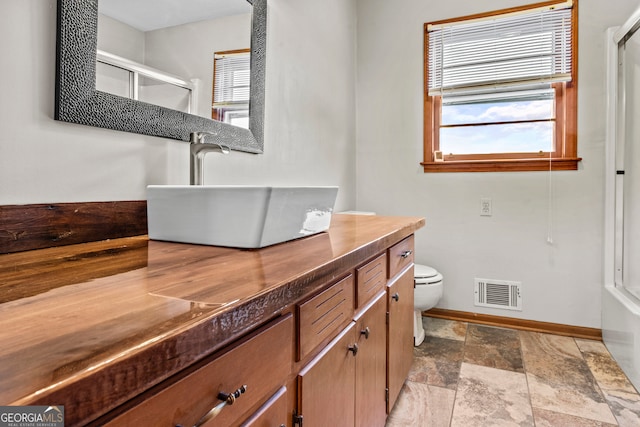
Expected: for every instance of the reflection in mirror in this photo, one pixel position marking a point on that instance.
(115, 80)
(97, 94)
(231, 79)
(122, 77)
(166, 94)
(175, 41)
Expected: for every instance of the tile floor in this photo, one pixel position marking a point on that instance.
(467, 375)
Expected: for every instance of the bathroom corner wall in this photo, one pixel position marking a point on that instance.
(310, 115)
(561, 281)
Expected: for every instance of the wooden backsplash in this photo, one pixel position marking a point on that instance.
(38, 226)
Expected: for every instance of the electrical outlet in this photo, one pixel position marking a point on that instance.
(485, 206)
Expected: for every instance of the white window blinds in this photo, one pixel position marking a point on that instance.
(232, 78)
(531, 46)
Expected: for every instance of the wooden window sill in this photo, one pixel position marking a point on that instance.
(502, 165)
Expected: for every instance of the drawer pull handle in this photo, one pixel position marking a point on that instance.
(406, 254)
(354, 349)
(227, 399)
(365, 332)
(396, 296)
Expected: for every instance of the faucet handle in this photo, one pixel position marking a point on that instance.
(198, 137)
(195, 138)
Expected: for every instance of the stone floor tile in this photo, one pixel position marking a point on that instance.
(491, 397)
(472, 375)
(544, 418)
(443, 328)
(604, 368)
(622, 397)
(493, 347)
(422, 405)
(548, 345)
(437, 362)
(559, 378)
(625, 407)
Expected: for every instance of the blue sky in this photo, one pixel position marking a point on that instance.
(516, 137)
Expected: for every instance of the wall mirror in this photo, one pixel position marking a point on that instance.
(78, 100)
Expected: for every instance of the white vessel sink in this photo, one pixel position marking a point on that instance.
(237, 216)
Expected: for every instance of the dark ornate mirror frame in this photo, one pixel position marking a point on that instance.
(78, 101)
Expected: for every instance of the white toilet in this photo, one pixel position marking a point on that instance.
(427, 292)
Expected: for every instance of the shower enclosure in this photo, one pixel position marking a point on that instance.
(621, 295)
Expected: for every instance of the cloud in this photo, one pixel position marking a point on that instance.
(516, 137)
(496, 112)
(517, 111)
(510, 138)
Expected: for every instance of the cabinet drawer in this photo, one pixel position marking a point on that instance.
(371, 278)
(400, 256)
(321, 317)
(262, 363)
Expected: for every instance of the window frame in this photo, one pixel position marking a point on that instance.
(219, 111)
(564, 157)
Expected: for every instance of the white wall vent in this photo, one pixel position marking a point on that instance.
(503, 294)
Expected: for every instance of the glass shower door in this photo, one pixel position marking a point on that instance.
(627, 256)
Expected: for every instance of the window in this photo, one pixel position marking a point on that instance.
(231, 80)
(500, 90)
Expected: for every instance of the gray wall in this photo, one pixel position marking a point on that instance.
(561, 281)
(310, 115)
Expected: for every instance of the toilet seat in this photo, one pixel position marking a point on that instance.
(425, 275)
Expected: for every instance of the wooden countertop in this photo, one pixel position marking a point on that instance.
(90, 326)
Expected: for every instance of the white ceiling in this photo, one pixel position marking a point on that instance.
(147, 15)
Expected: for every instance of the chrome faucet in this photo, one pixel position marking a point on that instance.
(198, 150)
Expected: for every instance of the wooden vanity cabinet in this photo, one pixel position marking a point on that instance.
(274, 413)
(371, 278)
(401, 256)
(344, 385)
(193, 323)
(356, 379)
(184, 402)
(400, 322)
(323, 315)
(400, 333)
(371, 364)
(326, 385)
(338, 357)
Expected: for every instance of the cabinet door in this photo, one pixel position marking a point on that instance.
(326, 386)
(273, 413)
(400, 333)
(371, 362)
